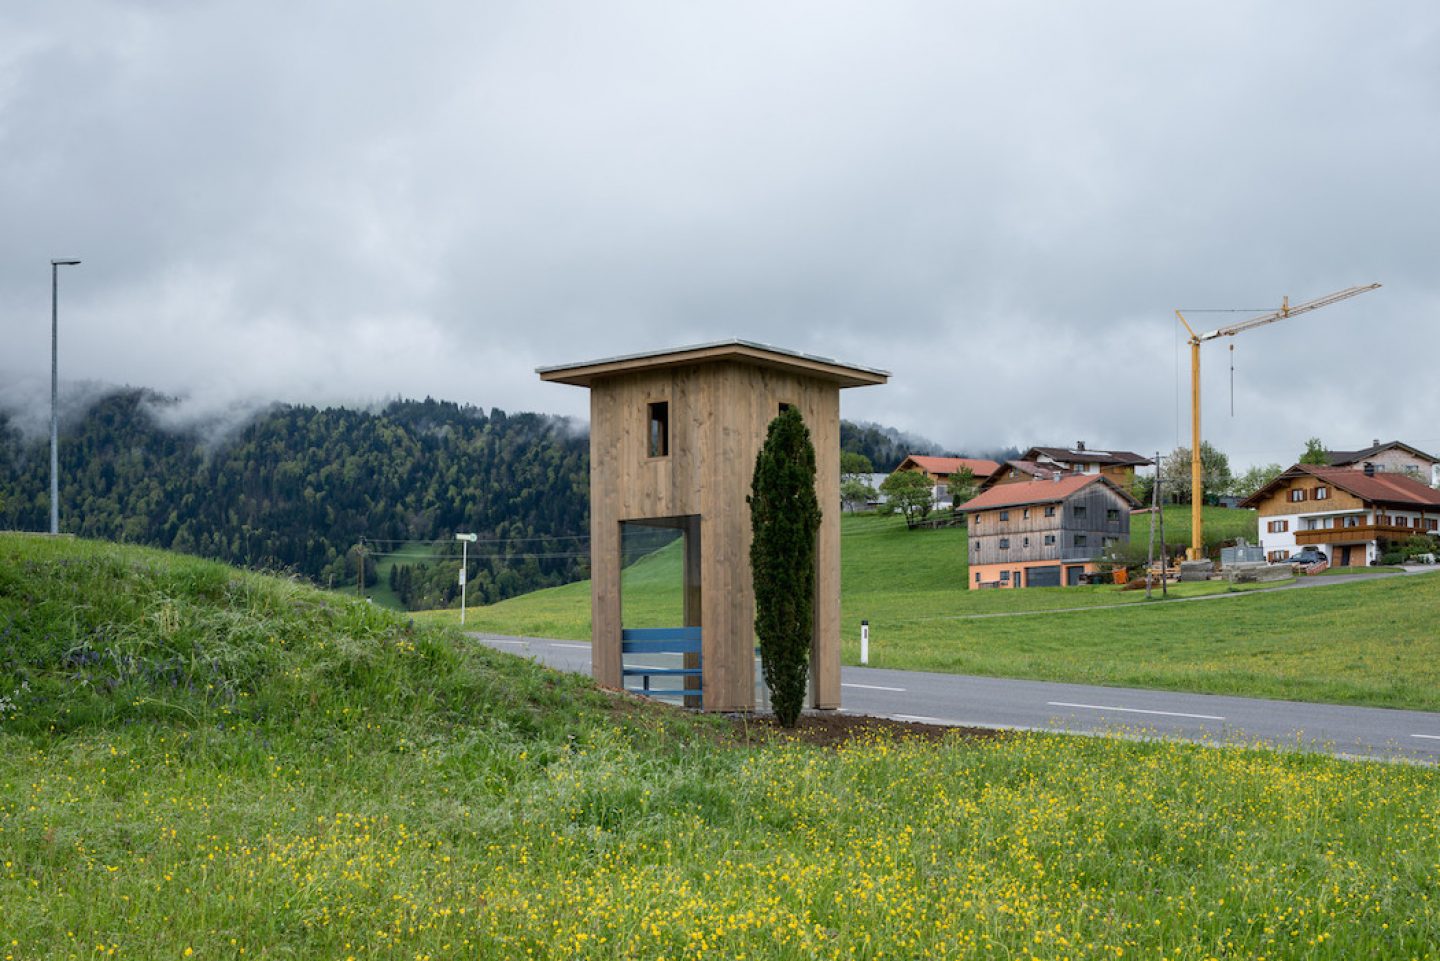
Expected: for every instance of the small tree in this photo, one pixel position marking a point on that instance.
(784, 519)
(1255, 478)
(1315, 453)
(962, 486)
(855, 489)
(1214, 472)
(855, 494)
(910, 493)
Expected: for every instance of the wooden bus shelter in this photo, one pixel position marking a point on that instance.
(673, 439)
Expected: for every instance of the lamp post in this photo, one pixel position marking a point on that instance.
(465, 541)
(55, 266)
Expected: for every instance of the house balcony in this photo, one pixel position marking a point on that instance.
(1355, 535)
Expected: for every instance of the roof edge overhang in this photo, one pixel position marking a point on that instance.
(743, 351)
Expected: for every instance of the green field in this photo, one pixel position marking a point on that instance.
(199, 762)
(1369, 643)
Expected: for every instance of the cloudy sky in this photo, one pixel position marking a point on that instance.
(1001, 203)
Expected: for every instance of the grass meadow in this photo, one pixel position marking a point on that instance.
(1372, 643)
(197, 762)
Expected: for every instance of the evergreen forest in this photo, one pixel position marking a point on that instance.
(299, 489)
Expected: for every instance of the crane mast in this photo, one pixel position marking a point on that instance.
(1196, 549)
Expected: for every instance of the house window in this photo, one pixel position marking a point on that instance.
(977, 577)
(1004, 543)
(1081, 540)
(1049, 538)
(1112, 514)
(1434, 525)
(977, 545)
(1026, 542)
(1297, 495)
(1025, 513)
(1278, 527)
(1050, 511)
(1276, 556)
(1352, 521)
(660, 429)
(1004, 515)
(1005, 576)
(784, 406)
(1322, 493)
(1078, 511)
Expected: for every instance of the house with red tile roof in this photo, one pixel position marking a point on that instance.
(1045, 533)
(939, 469)
(1351, 515)
(1045, 462)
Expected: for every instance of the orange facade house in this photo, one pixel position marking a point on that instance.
(1045, 533)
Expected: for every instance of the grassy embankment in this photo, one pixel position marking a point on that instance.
(1367, 643)
(197, 762)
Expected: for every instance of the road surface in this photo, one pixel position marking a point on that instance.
(953, 699)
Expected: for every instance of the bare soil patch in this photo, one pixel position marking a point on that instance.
(833, 729)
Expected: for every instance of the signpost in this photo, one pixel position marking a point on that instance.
(465, 541)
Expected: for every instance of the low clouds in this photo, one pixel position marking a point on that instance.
(1001, 204)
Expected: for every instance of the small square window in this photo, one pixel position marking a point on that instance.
(1005, 576)
(1080, 540)
(1004, 515)
(1049, 538)
(1078, 511)
(1004, 543)
(1112, 514)
(1025, 513)
(660, 429)
(1050, 511)
(784, 406)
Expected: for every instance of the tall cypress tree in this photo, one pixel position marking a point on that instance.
(784, 519)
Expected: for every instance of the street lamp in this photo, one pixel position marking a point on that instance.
(55, 266)
(465, 541)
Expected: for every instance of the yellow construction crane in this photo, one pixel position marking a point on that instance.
(1196, 549)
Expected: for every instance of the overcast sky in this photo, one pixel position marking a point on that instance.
(1000, 203)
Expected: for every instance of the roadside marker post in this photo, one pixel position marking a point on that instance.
(864, 642)
(465, 541)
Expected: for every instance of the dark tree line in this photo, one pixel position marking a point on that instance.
(298, 487)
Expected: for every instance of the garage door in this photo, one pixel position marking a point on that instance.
(1043, 577)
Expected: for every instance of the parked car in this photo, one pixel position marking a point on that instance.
(1307, 555)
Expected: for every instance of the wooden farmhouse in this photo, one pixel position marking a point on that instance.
(1045, 533)
(1351, 515)
(673, 440)
(939, 469)
(1043, 462)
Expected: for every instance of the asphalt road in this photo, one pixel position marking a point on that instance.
(953, 699)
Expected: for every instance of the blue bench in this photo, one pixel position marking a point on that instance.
(662, 640)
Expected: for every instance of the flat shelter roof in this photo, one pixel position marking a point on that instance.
(843, 375)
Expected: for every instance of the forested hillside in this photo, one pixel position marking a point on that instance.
(299, 487)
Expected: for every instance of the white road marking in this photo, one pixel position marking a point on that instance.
(1134, 710)
(876, 687)
(1428, 737)
(582, 647)
(919, 717)
(500, 640)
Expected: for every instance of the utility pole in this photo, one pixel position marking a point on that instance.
(360, 568)
(1150, 552)
(1164, 551)
(465, 541)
